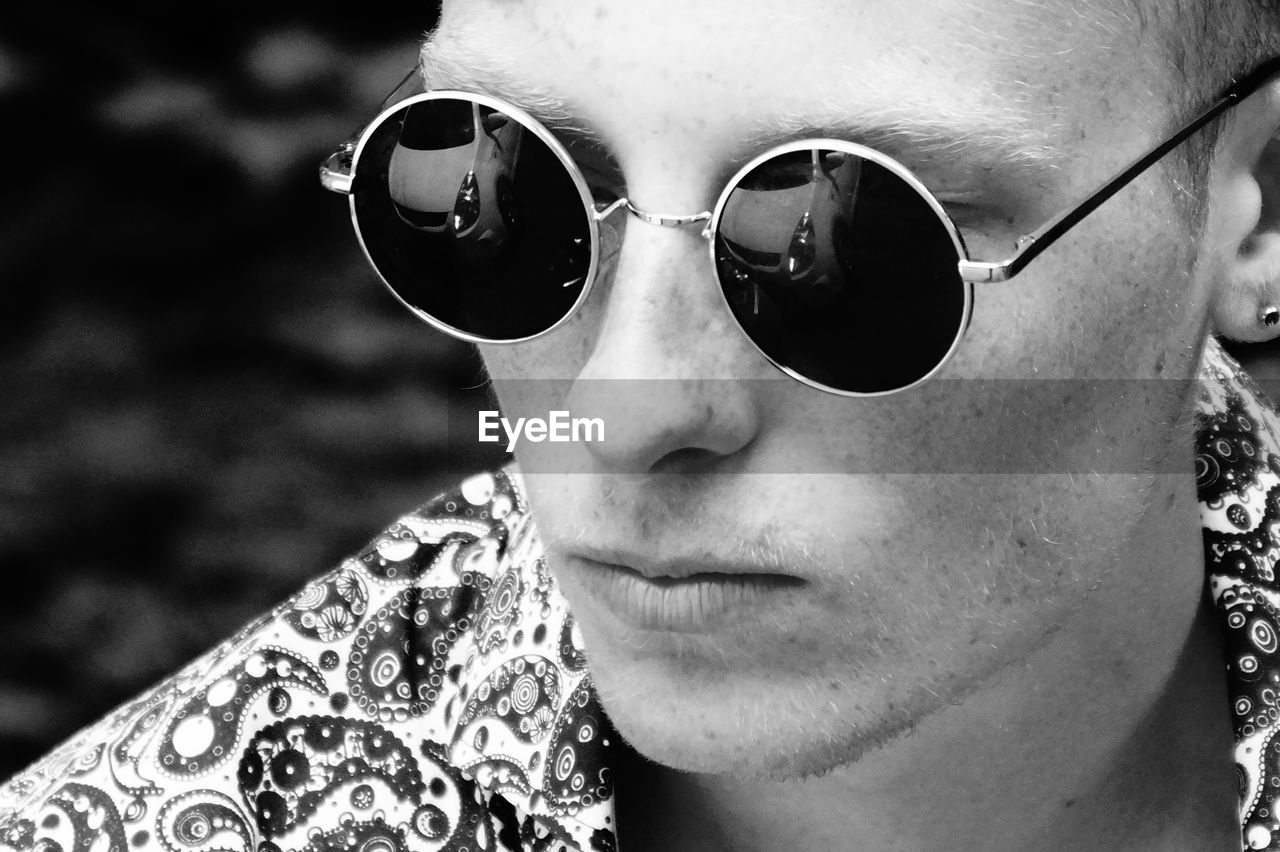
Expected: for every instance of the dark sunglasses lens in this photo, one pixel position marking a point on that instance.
(839, 270)
(471, 219)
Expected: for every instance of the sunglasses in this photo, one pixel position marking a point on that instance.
(838, 264)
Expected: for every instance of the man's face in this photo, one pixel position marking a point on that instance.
(841, 602)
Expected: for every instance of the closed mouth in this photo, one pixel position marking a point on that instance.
(690, 602)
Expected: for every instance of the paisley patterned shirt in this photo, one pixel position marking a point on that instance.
(432, 694)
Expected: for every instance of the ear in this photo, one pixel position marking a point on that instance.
(1245, 220)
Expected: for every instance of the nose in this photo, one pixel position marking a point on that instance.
(670, 374)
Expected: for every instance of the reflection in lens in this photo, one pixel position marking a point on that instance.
(472, 219)
(839, 270)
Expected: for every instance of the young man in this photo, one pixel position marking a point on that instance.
(936, 583)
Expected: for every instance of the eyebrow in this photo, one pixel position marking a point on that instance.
(450, 65)
(922, 137)
(918, 140)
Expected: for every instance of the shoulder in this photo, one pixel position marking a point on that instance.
(389, 701)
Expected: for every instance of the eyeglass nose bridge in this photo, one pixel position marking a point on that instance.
(661, 220)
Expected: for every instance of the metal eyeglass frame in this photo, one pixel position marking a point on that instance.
(337, 175)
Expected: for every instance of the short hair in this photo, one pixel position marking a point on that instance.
(1216, 40)
(1207, 44)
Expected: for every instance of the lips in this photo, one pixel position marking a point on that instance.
(680, 596)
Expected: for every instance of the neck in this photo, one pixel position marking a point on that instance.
(1094, 742)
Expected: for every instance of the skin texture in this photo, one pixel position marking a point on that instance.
(979, 659)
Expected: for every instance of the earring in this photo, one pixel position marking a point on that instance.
(1269, 315)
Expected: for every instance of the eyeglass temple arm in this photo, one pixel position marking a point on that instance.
(335, 171)
(1031, 245)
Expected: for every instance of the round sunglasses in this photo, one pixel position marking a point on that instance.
(839, 265)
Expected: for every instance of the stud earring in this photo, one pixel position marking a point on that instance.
(1269, 315)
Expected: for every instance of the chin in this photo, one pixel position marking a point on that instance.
(781, 727)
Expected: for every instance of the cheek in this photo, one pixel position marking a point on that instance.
(991, 568)
(1109, 299)
(532, 380)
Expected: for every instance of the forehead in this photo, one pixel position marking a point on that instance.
(1026, 74)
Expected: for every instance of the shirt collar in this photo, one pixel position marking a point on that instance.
(1237, 468)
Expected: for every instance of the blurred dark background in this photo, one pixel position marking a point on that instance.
(207, 397)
